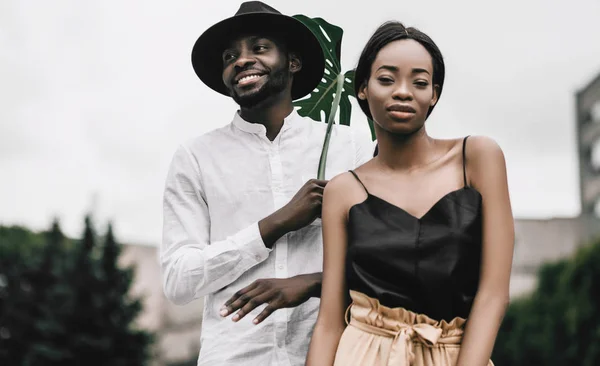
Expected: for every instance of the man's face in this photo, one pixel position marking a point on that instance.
(256, 68)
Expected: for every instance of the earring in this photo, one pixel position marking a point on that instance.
(362, 96)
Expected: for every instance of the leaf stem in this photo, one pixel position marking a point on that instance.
(334, 107)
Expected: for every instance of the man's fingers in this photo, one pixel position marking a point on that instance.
(268, 310)
(239, 300)
(251, 304)
(240, 293)
(317, 196)
(276, 302)
(320, 182)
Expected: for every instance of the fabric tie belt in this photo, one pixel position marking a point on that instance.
(403, 338)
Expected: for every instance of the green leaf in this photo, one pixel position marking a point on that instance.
(335, 87)
(325, 150)
(345, 105)
(321, 99)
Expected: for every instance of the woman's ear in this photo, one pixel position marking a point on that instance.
(362, 92)
(436, 93)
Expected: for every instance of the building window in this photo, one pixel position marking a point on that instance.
(595, 112)
(595, 156)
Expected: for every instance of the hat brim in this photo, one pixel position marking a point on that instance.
(207, 52)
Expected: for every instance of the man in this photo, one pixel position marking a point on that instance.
(241, 212)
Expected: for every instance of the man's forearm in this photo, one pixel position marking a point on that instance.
(314, 281)
(272, 228)
(191, 270)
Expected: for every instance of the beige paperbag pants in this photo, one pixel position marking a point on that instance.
(381, 336)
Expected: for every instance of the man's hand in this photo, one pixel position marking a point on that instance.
(278, 293)
(302, 209)
(305, 206)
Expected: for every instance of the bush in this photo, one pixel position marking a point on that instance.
(559, 323)
(66, 302)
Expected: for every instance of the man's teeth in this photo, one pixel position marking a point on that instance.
(245, 78)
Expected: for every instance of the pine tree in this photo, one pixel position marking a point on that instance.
(17, 308)
(48, 346)
(103, 314)
(130, 346)
(31, 273)
(67, 303)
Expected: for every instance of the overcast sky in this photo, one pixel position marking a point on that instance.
(96, 96)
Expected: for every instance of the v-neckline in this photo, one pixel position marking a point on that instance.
(369, 195)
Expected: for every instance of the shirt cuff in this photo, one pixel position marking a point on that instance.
(250, 241)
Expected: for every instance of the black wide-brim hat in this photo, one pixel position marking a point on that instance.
(254, 17)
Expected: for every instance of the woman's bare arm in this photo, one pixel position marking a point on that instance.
(486, 169)
(330, 323)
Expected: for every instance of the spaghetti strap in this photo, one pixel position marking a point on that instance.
(464, 156)
(359, 181)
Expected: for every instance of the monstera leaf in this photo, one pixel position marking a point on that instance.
(322, 98)
(335, 88)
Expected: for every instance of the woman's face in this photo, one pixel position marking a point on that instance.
(400, 90)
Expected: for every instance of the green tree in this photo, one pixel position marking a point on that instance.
(103, 313)
(559, 323)
(28, 273)
(17, 307)
(120, 309)
(65, 302)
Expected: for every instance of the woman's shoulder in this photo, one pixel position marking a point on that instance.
(344, 183)
(346, 189)
(472, 147)
(484, 162)
(482, 148)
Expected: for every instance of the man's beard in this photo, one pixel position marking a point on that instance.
(276, 83)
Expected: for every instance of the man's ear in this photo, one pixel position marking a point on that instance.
(295, 63)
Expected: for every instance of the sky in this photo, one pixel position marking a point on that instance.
(96, 96)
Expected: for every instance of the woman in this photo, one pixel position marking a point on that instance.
(422, 235)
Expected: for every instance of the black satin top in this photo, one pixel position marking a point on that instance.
(428, 265)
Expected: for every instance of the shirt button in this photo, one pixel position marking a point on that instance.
(280, 266)
(257, 257)
(276, 189)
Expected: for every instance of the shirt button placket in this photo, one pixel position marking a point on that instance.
(281, 250)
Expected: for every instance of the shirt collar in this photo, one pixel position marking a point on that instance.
(259, 129)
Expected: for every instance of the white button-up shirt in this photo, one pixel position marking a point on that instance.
(218, 187)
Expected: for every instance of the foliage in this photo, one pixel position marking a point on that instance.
(335, 88)
(559, 323)
(66, 302)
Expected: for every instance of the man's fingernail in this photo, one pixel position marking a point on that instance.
(223, 312)
(255, 321)
(235, 317)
